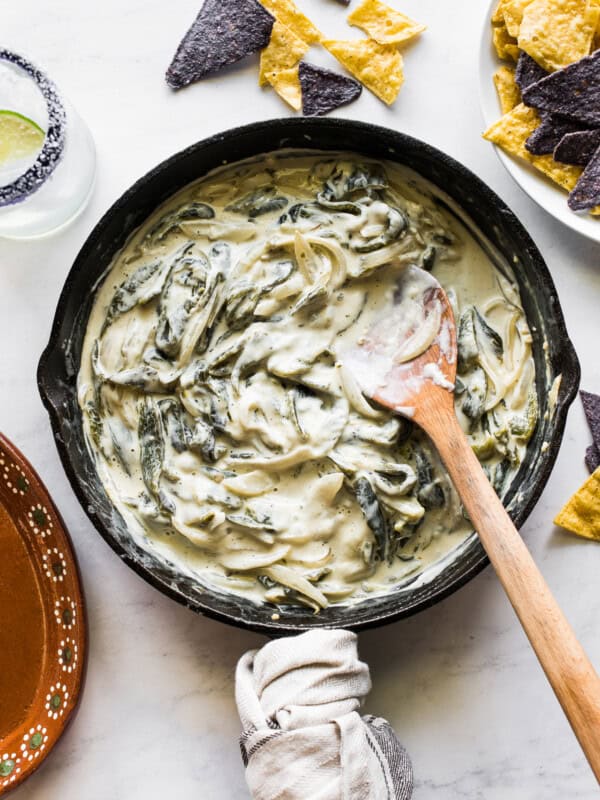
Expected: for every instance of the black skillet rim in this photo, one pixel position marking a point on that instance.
(394, 142)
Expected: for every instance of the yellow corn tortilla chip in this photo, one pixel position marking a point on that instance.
(512, 131)
(513, 15)
(581, 515)
(286, 83)
(284, 51)
(377, 66)
(509, 93)
(558, 32)
(506, 47)
(384, 24)
(287, 12)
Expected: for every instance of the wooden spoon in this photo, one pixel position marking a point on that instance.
(390, 369)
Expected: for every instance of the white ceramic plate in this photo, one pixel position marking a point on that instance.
(545, 193)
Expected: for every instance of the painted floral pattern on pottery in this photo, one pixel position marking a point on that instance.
(28, 514)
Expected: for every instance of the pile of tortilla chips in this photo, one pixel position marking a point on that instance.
(581, 515)
(227, 30)
(550, 94)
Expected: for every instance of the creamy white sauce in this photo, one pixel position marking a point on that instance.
(435, 374)
(221, 371)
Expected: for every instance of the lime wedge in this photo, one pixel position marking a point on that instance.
(19, 136)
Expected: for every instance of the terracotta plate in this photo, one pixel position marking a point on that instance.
(42, 621)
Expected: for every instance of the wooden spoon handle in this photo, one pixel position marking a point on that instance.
(564, 661)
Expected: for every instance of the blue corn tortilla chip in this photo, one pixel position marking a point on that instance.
(549, 133)
(592, 458)
(224, 32)
(528, 71)
(572, 92)
(324, 90)
(586, 193)
(577, 148)
(591, 407)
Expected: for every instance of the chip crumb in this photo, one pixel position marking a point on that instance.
(509, 93)
(581, 515)
(383, 23)
(377, 66)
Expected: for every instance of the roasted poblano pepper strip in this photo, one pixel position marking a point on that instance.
(174, 423)
(220, 258)
(338, 206)
(293, 395)
(95, 423)
(179, 298)
(134, 289)
(524, 426)
(365, 178)
(428, 258)
(485, 446)
(430, 493)
(245, 296)
(493, 337)
(195, 211)
(152, 445)
(424, 468)
(500, 476)
(203, 439)
(475, 395)
(396, 226)
(143, 376)
(312, 299)
(262, 201)
(252, 521)
(468, 351)
(334, 195)
(121, 443)
(374, 517)
(473, 330)
(170, 222)
(305, 211)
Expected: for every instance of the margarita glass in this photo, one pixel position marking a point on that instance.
(47, 155)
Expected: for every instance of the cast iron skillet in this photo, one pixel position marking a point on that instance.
(57, 373)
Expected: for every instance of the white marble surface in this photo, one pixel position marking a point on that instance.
(459, 681)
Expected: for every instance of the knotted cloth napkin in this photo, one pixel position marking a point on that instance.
(303, 739)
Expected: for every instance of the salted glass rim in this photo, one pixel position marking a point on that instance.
(54, 141)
